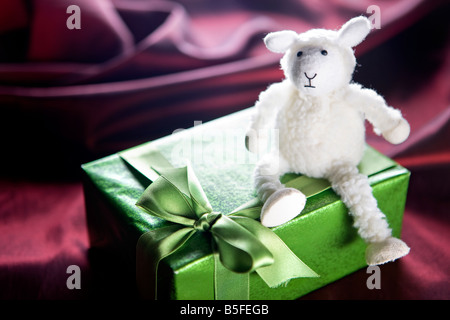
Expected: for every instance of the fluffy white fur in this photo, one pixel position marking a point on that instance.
(320, 116)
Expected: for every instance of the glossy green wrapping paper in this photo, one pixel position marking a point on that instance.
(322, 236)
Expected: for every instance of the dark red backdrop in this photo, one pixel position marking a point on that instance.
(137, 70)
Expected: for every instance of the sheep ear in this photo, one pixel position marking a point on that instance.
(354, 31)
(280, 41)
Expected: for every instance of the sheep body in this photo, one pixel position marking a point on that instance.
(319, 115)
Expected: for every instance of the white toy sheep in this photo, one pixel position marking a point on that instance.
(320, 116)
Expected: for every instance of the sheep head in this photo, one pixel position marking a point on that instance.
(319, 61)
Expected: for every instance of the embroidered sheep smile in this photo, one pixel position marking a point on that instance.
(309, 85)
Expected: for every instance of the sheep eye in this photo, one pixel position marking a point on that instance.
(324, 52)
(299, 54)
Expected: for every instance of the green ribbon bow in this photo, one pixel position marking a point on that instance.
(241, 243)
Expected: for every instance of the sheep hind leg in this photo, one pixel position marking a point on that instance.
(370, 222)
(281, 204)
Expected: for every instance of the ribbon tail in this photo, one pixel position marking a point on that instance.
(151, 248)
(286, 265)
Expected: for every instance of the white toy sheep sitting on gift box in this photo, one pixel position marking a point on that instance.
(320, 116)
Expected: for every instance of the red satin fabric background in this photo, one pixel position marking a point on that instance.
(137, 70)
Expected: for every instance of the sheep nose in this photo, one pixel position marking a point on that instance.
(309, 85)
(310, 78)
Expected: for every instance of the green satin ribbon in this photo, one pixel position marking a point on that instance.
(241, 243)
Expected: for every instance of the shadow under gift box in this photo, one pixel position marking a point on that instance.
(322, 236)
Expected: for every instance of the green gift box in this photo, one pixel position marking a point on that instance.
(322, 236)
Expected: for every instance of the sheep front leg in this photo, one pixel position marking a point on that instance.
(386, 120)
(370, 222)
(281, 204)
